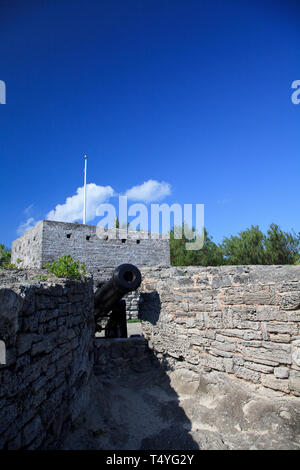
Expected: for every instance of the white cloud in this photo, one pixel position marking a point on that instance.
(72, 209)
(24, 226)
(28, 210)
(149, 191)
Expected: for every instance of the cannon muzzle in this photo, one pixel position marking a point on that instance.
(126, 278)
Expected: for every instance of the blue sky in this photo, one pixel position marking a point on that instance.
(194, 96)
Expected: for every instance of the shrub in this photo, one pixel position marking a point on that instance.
(67, 267)
(11, 266)
(4, 256)
(40, 278)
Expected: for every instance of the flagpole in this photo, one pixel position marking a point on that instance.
(84, 191)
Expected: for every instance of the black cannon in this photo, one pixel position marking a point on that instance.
(108, 300)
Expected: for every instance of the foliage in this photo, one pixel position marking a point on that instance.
(40, 278)
(282, 247)
(253, 247)
(5, 254)
(67, 267)
(245, 248)
(10, 266)
(210, 255)
(250, 246)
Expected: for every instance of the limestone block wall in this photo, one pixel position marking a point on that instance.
(241, 320)
(48, 331)
(113, 356)
(26, 251)
(132, 305)
(50, 240)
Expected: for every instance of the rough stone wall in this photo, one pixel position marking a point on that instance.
(48, 330)
(132, 305)
(113, 356)
(27, 250)
(240, 320)
(50, 240)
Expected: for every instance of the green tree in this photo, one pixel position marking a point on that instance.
(5, 254)
(253, 247)
(281, 247)
(210, 255)
(250, 246)
(245, 248)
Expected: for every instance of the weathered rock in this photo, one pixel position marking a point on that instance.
(296, 352)
(249, 315)
(290, 301)
(42, 356)
(281, 372)
(275, 384)
(294, 382)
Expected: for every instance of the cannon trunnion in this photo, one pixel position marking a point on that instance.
(108, 300)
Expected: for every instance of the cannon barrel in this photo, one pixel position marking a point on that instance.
(126, 278)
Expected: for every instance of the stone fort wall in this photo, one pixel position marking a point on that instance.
(241, 320)
(48, 332)
(49, 240)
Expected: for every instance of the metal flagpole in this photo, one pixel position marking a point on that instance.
(84, 193)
